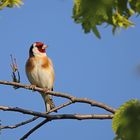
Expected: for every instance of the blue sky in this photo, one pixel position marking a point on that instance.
(103, 70)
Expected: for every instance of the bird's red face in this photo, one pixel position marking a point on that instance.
(38, 49)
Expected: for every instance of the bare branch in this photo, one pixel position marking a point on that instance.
(34, 129)
(19, 124)
(54, 117)
(67, 116)
(15, 72)
(59, 107)
(24, 111)
(44, 121)
(47, 117)
(58, 116)
(64, 95)
(36, 117)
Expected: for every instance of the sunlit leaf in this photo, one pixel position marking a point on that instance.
(126, 121)
(116, 13)
(10, 3)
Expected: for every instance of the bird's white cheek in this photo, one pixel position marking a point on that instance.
(36, 52)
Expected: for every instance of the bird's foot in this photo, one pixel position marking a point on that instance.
(32, 87)
(46, 90)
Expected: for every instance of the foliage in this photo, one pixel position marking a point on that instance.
(10, 3)
(126, 121)
(92, 13)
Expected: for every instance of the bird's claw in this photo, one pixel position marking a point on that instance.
(46, 90)
(32, 87)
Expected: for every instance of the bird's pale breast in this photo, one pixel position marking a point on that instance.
(40, 72)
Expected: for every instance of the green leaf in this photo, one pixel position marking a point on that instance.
(90, 13)
(10, 3)
(121, 21)
(96, 32)
(126, 121)
(135, 5)
(116, 13)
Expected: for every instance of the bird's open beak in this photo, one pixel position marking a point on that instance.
(44, 46)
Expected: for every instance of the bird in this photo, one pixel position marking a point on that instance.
(40, 71)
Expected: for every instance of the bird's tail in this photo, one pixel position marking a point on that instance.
(49, 104)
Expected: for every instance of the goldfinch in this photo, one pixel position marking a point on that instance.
(40, 71)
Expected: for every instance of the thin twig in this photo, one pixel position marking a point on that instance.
(34, 129)
(67, 116)
(58, 116)
(44, 121)
(19, 124)
(35, 118)
(47, 117)
(25, 111)
(64, 95)
(15, 72)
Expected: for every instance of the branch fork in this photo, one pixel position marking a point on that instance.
(47, 116)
